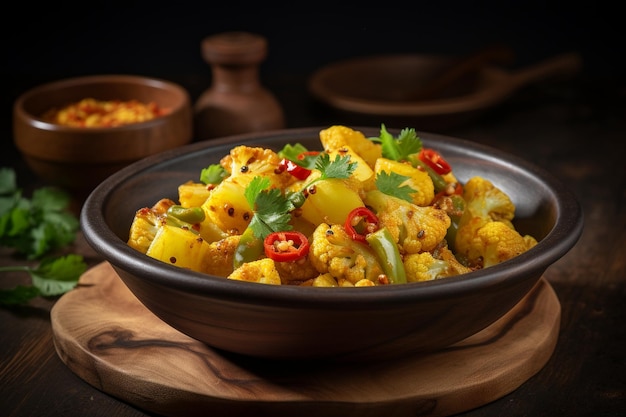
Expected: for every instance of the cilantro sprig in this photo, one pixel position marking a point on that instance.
(34, 228)
(298, 154)
(271, 208)
(213, 174)
(391, 184)
(398, 148)
(52, 277)
(340, 167)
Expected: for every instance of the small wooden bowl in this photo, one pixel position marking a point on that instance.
(79, 158)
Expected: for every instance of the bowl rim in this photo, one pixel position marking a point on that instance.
(558, 241)
(38, 122)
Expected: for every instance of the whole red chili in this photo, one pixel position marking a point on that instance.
(434, 160)
(360, 222)
(286, 246)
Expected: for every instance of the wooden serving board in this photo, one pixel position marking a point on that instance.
(109, 339)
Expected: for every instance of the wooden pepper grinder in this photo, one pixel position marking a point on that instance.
(236, 102)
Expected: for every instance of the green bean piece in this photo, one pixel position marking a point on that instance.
(249, 249)
(175, 221)
(187, 214)
(388, 254)
(454, 212)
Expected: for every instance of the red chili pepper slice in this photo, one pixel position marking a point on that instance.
(360, 222)
(435, 161)
(286, 246)
(294, 169)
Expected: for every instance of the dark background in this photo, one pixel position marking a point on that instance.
(52, 41)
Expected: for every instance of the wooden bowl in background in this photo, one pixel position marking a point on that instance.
(79, 158)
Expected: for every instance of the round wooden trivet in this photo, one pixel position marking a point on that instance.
(109, 339)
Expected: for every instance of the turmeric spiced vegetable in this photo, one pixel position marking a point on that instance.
(90, 112)
(361, 212)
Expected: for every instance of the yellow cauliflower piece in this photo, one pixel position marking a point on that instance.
(219, 257)
(425, 267)
(333, 251)
(337, 136)
(486, 235)
(496, 242)
(296, 271)
(415, 228)
(245, 163)
(146, 224)
(483, 199)
(262, 271)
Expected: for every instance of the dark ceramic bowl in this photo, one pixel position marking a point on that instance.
(80, 158)
(291, 322)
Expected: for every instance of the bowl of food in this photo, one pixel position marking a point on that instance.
(76, 132)
(337, 242)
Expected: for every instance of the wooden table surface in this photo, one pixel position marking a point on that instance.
(576, 129)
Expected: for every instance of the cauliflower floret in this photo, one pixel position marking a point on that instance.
(415, 228)
(296, 271)
(333, 251)
(485, 200)
(495, 242)
(426, 267)
(337, 136)
(262, 271)
(219, 258)
(245, 163)
(146, 224)
(486, 235)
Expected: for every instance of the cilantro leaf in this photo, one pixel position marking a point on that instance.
(271, 208)
(35, 226)
(299, 155)
(213, 174)
(398, 148)
(272, 213)
(18, 295)
(391, 184)
(56, 276)
(292, 151)
(340, 167)
(53, 276)
(8, 182)
(256, 186)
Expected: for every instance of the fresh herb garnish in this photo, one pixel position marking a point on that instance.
(391, 184)
(213, 174)
(340, 167)
(53, 276)
(398, 148)
(271, 208)
(35, 226)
